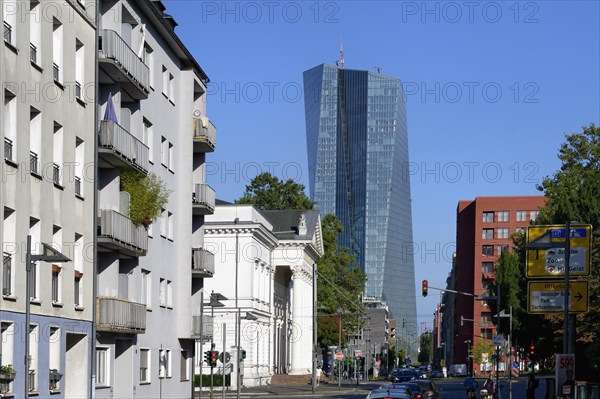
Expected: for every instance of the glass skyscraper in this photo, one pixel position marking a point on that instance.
(358, 156)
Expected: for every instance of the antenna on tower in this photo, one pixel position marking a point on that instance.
(341, 54)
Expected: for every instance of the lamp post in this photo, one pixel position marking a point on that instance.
(49, 255)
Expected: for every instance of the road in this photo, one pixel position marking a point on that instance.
(450, 389)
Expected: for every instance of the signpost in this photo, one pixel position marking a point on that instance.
(550, 262)
(548, 296)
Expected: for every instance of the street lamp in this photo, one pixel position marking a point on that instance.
(49, 254)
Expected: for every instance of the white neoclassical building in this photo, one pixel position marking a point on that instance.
(269, 256)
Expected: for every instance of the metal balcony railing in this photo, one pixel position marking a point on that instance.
(56, 72)
(34, 162)
(124, 144)
(122, 231)
(33, 53)
(8, 148)
(205, 132)
(6, 273)
(207, 326)
(7, 32)
(203, 262)
(56, 173)
(121, 315)
(203, 196)
(112, 46)
(78, 90)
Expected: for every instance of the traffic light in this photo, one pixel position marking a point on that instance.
(207, 357)
(532, 350)
(243, 354)
(424, 287)
(214, 355)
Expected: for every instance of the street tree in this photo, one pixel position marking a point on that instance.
(267, 192)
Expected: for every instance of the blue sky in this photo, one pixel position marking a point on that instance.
(491, 89)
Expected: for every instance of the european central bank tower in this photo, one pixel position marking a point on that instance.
(358, 160)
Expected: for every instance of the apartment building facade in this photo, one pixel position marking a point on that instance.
(47, 192)
(484, 227)
(153, 124)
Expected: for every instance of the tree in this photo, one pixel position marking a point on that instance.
(426, 349)
(266, 191)
(573, 193)
(148, 196)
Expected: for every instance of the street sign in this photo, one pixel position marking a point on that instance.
(339, 356)
(549, 296)
(484, 357)
(515, 369)
(551, 262)
(227, 357)
(358, 353)
(497, 340)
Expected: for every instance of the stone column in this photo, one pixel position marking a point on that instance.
(295, 338)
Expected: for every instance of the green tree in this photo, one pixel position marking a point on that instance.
(482, 346)
(148, 196)
(573, 193)
(266, 191)
(426, 348)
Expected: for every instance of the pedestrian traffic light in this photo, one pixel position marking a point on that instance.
(424, 287)
(214, 355)
(207, 357)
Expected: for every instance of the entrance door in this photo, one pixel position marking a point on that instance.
(123, 370)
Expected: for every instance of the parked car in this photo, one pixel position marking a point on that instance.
(437, 373)
(400, 375)
(425, 388)
(388, 393)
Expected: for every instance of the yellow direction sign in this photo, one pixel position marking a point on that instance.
(549, 296)
(549, 260)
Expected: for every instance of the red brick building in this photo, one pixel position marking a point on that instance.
(483, 230)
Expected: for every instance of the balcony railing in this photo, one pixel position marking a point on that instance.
(124, 145)
(203, 263)
(115, 49)
(7, 32)
(56, 72)
(6, 273)
(207, 327)
(120, 315)
(203, 199)
(8, 148)
(56, 173)
(122, 233)
(205, 135)
(78, 90)
(33, 53)
(34, 162)
(77, 185)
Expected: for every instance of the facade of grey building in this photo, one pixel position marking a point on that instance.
(150, 278)
(47, 192)
(357, 144)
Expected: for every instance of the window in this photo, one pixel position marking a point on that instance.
(488, 217)
(169, 225)
(487, 250)
(35, 31)
(35, 139)
(171, 157)
(8, 349)
(185, 366)
(168, 359)
(164, 151)
(6, 273)
(164, 362)
(54, 361)
(171, 93)
(34, 340)
(146, 296)
(533, 215)
(165, 81)
(10, 12)
(520, 230)
(148, 139)
(488, 234)
(487, 267)
(102, 367)
(163, 224)
(10, 126)
(57, 149)
(503, 216)
(57, 50)
(521, 216)
(486, 318)
(500, 249)
(502, 233)
(77, 291)
(79, 165)
(34, 281)
(9, 249)
(79, 68)
(144, 365)
(169, 294)
(486, 333)
(162, 293)
(486, 283)
(148, 59)
(56, 274)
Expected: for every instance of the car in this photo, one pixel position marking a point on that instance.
(388, 393)
(425, 388)
(437, 373)
(400, 375)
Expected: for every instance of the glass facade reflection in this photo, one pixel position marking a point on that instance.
(357, 144)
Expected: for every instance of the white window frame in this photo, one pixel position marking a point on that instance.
(106, 366)
(148, 353)
(146, 295)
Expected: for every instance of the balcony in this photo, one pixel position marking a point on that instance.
(120, 64)
(118, 148)
(8, 149)
(203, 263)
(118, 233)
(203, 200)
(120, 315)
(207, 327)
(205, 135)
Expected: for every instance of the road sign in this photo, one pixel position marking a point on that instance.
(497, 340)
(339, 356)
(484, 357)
(227, 357)
(551, 262)
(515, 369)
(549, 296)
(358, 353)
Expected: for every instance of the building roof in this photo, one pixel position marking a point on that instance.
(286, 223)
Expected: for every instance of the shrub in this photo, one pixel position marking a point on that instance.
(149, 195)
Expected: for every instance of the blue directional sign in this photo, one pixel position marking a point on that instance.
(560, 233)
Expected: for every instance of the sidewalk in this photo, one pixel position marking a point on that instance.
(304, 391)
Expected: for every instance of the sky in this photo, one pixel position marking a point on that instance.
(491, 88)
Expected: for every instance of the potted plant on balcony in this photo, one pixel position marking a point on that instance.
(7, 373)
(149, 195)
